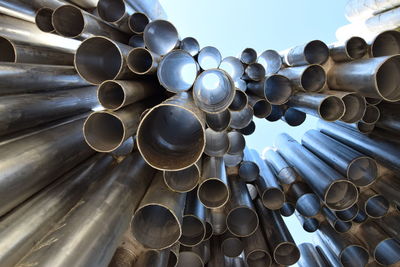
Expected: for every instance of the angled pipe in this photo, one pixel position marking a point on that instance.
(373, 204)
(313, 52)
(241, 119)
(335, 223)
(190, 45)
(218, 121)
(388, 185)
(309, 256)
(309, 78)
(261, 107)
(142, 61)
(237, 142)
(183, 180)
(218, 220)
(233, 66)
(351, 49)
(271, 61)
(359, 10)
(309, 224)
(386, 43)
(359, 126)
(248, 56)
(249, 129)
(160, 37)
(277, 112)
(209, 57)
(287, 209)
(306, 202)
(256, 250)
(254, 72)
(217, 143)
(249, 169)
(348, 214)
(136, 41)
(231, 245)
(239, 102)
(285, 172)
(294, 117)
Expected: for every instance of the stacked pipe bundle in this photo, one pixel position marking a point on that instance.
(123, 144)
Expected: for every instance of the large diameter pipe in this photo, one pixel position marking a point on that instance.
(40, 213)
(331, 187)
(233, 66)
(310, 78)
(96, 66)
(209, 57)
(242, 219)
(182, 143)
(142, 61)
(306, 202)
(240, 101)
(118, 13)
(105, 131)
(381, 149)
(81, 239)
(285, 172)
(28, 110)
(42, 158)
(261, 107)
(309, 256)
(157, 223)
(389, 119)
(357, 167)
(373, 204)
(218, 121)
(232, 246)
(282, 246)
(254, 72)
(386, 43)
(374, 77)
(183, 180)
(256, 250)
(16, 78)
(313, 52)
(160, 37)
(271, 61)
(217, 143)
(351, 49)
(237, 143)
(326, 107)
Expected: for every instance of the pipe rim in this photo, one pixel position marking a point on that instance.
(355, 106)
(103, 97)
(349, 198)
(232, 242)
(209, 58)
(316, 52)
(352, 252)
(277, 89)
(208, 203)
(328, 104)
(313, 78)
(64, 30)
(140, 61)
(111, 11)
(160, 31)
(286, 258)
(198, 239)
(219, 141)
(271, 61)
(252, 217)
(170, 182)
(381, 40)
(8, 50)
(190, 45)
(233, 66)
(240, 101)
(369, 167)
(356, 48)
(43, 19)
(390, 63)
(198, 260)
(212, 120)
(388, 245)
(138, 22)
(273, 198)
(265, 260)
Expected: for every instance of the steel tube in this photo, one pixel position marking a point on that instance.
(233, 66)
(240, 119)
(351, 49)
(389, 119)
(157, 223)
(326, 252)
(271, 61)
(237, 142)
(310, 78)
(371, 115)
(81, 233)
(160, 37)
(136, 41)
(256, 250)
(192, 256)
(277, 89)
(357, 167)
(217, 143)
(218, 121)
(338, 225)
(248, 56)
(285, 173)
(154, 258)
(306, 202)
(309, 224)
(232, 160)
(86, 4)
(348, 214)
(43, 19)
(326, 107)
(213, 189)
(183, 180)
(125, 149)
(386, 43)
(217, 258)
(355, 105)
(280, 241)
(294, 117)
(128, 252)
(151, 7)
(190, 45)
(261, 107)
(389, 224)
(249, 169)
(388, 185)
(313, 52)
(249, 129)
(142, 61)
(331, 187)
(287, 209)
(231, 246)
(209, 57)
(361, 127)
(218, 220)
(276, 113)
(241, 85)
(309, 256)
(254, 72)
(239, 102)
(182, 143)
(373, 204)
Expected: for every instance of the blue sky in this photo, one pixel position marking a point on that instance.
(232, 25)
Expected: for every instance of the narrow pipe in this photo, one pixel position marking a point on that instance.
(183, 180)
(309, 224)
(276, 113)
(177, 71)
(249, 129)
(388, 185)
(309, 256)
(348, 214)
(218, 220)
(254, 72)
(285, 172)
(81, 239)
(271, 61)
(277, 89)
(43, 19)
(105, 131)
(190, 45)
(287, 209)
(128, 252)
(233, 66)
(209, 227)
(241, 119)
(294, 117)
(217, 259)
(361, 217)
(261, 107)
(167, 118)
(330, 186)
(256, 250)
(95, 66)
(160, 37)
(371, 115)
(374, 77)
(242, 219)
(249, 169)
(281, 244)
(232, 160)
(240, 101)
(389, 224)
(213, 191)
(157, 223)
(218, 121)
(190, 256)
(386, 43)
(248, 56)
(338, 225)
(355, 105)
(313, 52)
(237, 142)
(28, 110)
(193, 223)
(306, 202)
(138, 22)
(217, 143)
(310, 78)
(231, 246)
(154, 258)
(125, 149)
(351, 49)
(357, 167)
(117, 13)
(136, 41)
(213, 91)
(373, 204)
(209, 57)
(152, 8)
(389, 119)
(142, 61)
(326, 107)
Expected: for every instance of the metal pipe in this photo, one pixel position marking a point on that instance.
(351, 49)
(209, 57)
(217, 143)
(277, 89)
(157, 223)
(233, 66)
(217, 258)
(389, 119)
(294, 117)
(306, 202)
(373, 204)
(154, 258)
(138, 22)
(387, 20)
(190, 45)
(309, 256)
(182, 143)
(241, 119)
(41, 212)
(326, 107)
(348, 214)
(338, 225)
(209, 227)
(125, 149)
(43, 19)
(239, 102)
(218, 220)
(85, 4)
(241, 85)
(248, 56)
(330, 186)
(237, 142)
(390, 225)
(232, 160)
(118, 13)
(381, 149)
(271, 61)
(59, 148)
(357, 167)
(373, 77)
(183, 180)
(261, 107)
(72, 22)
(310, 78)
(128, 252)
(218, 121)
(242, 219)
(142, 61)
(176, 72)
(256, 250)
(248, 169)
(173, 255)
(371, 115)
(280, 241)
(309, 224)
(231, 245)
(388, 185)
(313, 52)
(326, 252)
(287, 209)
(355, 105)
(213, 191)
(249, 129)
(360, 217)
(361, 127)
(81, 238)
(28, 110)
(105, 131)
(152, 8)
(191, 256)
(373, 101)
(193, 223)
(285, 173)
(136, 41)
(254, 72)
(386, 43)
(276, 113)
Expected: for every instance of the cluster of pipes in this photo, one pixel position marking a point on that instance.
(123, 145)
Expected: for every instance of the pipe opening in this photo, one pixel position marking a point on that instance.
(360, 217)
(341, 195)
(248, 171)
(140, 60)
(43, 19)
(217, 143)
(248, 56)
(348, 214)
(316, 52)
(286, 254)
(237, 142)
(258, 258)
(287, 209)
(103, 131)
(239, 101)
(373, 101)
(388, 252)
(136, 41)
(354, 108)
(111, 95)
(232, 247)
(388, 79)
(190, 45)
(362, 171)
(111, 10)
(241, 85)
(377, 206)
(273, 198)
(249, 129)
(209, 57)
(240, 119)
(233, 67)
(294, 117)
(213, 193)
(175, 145)
(356, 47)
(242, 221)
(177, 71)
(172, 259)
(98, 59)
(8, 53)
(160, 37)
(232, 160)
(276, 113)
(313, 78)
(310, 225)
(354, 256)
(189, 258)
(277, 89)
(308, 205)
(155, 226)
(68, 21)
(184, 180)
(341, 226)
(386, 44)
(255, 72)
(371, 114)
(331, 108)
(262, 108)
(271, 61)
(209, 231)
(193, 231)
(138, 22)
(365, 128)
(218, 121)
